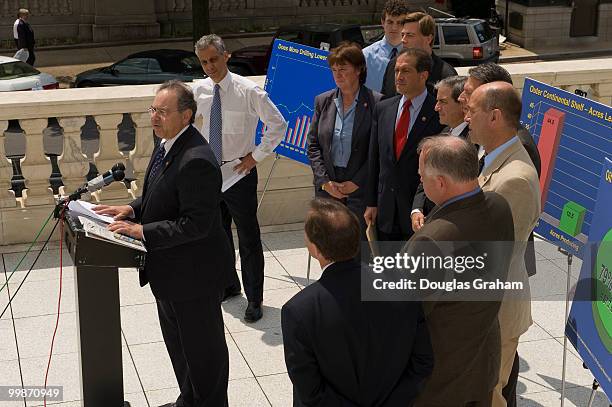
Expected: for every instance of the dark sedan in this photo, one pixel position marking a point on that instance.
(143, 68)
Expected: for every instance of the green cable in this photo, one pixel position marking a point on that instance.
(27, 251)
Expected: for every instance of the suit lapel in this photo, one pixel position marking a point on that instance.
(168, 160)
(361, 110)
(389, 134)
(422, 119)
(329, 122)
(485, 176)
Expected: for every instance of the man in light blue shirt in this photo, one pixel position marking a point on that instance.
(381, 52)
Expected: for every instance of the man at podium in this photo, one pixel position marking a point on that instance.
(188, 254)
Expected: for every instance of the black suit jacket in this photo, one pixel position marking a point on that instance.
(465, 334)
(421, 201)
(341, 351)
(188, 254)
(392, 183)
(440, 69)
(25, 35)
(321, 136)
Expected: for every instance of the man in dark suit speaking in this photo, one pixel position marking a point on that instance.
(188, 254)
(339, 350)
(464, 333)
(398, 125)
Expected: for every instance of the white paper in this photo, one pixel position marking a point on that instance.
(230, 177)
(93, 229)
(85, 208)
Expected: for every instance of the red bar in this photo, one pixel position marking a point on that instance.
(548, 144)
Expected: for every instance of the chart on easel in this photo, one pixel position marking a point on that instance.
(296, 74)
(573, 137)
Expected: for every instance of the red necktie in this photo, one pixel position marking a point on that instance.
(401, 130)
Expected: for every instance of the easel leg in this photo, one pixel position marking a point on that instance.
(567, 300)
(265, 188)
(593, 391)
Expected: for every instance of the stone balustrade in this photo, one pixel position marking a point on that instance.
(57, 139)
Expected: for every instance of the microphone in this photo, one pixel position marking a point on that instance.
(116, 173)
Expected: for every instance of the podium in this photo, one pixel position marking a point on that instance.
(98, 319)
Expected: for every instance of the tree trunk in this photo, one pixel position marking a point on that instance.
(200, 18)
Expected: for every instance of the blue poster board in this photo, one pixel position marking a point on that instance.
(574, 135)
(589, 326)
(296, 74)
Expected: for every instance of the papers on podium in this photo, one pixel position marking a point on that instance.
(85, 208)
(98, 230)
(230, 177)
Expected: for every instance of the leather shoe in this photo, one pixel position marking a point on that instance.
(231, 292)
(253, 312)
(168, 405)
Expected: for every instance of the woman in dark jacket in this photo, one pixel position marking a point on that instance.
(339, 135)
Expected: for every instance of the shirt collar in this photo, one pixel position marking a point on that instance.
(456, 131)
(462, 196)
(417, 101)
(387, 45)
(326, 267)
(338, 100)
(170, 142)
(225, 82)
(490, 157)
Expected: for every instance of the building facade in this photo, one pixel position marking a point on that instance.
(86, 21)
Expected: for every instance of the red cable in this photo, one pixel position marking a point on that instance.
(59, 303)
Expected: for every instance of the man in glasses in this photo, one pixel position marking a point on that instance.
(188, 253)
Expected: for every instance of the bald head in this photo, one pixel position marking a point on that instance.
(503, 97)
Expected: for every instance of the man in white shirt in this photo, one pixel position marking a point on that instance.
(231, 107)
(379, 54)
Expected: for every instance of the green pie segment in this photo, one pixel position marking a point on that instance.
(602, 278)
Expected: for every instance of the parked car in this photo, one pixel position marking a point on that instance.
(146, 67)
(17, 75)
(254, 60)
(463, 41)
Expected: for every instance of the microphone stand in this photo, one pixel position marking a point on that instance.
(62, 203)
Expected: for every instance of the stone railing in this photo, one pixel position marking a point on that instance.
(8, 8)
(52, 141)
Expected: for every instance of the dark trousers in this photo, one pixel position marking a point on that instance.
(240, 204)
(194, 337)
(509, 392)
(485, 402)
(31, 57)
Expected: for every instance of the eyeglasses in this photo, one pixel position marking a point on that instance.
(160, 111)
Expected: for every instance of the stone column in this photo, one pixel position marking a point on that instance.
(7, 198)
(73, 163)
(120, 20)
(108, 155)
(141, 154)
(36, 167)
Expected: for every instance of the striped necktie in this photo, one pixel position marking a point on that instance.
(216, 126)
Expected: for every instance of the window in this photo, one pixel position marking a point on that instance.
(292, 36)
(455, 35)
(134, 65)
(16, 69)
(191, 63)
(483, 32)
(154, 66)
(317, 38)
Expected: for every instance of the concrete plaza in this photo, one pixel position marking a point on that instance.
(257, 370)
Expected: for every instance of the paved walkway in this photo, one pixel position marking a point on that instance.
(257, 371)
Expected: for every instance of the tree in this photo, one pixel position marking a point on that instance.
(200, 18)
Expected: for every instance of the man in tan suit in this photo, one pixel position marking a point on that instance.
(493, 113)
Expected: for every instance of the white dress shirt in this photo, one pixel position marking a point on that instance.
(456, 131)
(243, 104)
(15, 32)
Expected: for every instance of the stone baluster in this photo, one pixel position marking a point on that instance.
(141, 154)
(73, 163)
(36, 167)
(53, 7)
(44, 8)
(109, 154)
(65, 7)
(7, 198)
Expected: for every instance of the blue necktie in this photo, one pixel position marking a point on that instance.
(216, 126)
(393, 53)
(158, 159)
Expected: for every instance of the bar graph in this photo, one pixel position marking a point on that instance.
(574, 135)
